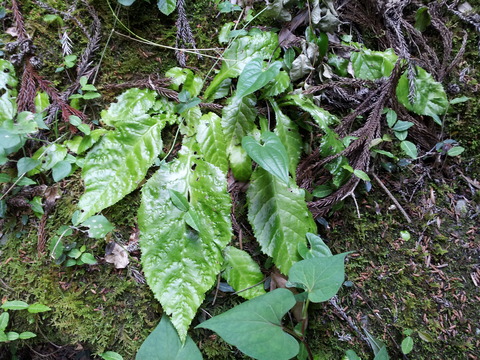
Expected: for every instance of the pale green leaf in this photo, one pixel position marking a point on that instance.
(119, 162)
(321, 277)
(430, 98)
(126, 2)
(255, 327)
(212, 142)
(179, 200)
(167, 6)
(382, 354)
(61, 170)
(459, 100)
(163, 343)
(242, 272)
(260, 44)
(271, 155)
(351, 355)
(301, 67)
(287, 131)
(26, 164)
(49, 157)
(111, 355)
(38, 308)
(391, 117)
(279, 217)
(401, 135)
(3, 337)
(240, 163)
(4, 318)
(26, 335)
(402, 125)
(317, 247)
(407, 345)
(12, 336)
(372, 65)
(322, 117)
(409, 148)
(181, 263)
(9, 139)
(455, 151)
(361, 174)
(8, 79)
(14, 305)
(88, 259)
(98, 226)
(131, 105)
(254, 77)
(41, 101)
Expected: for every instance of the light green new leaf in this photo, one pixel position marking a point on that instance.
(255, 327)
(118, 163)
(372, 65)
(181, 263)
(242, 272)
(279, 217)
(49, 157)
(260, 44)
(321, 277)
(110, 355)
(240, 163)
(26, 335)
(322, 117)
(287, 131)
(430, 98)
(238, 119)
(409, 148)
(14, 305)
(179, 200)
(163, 343)
(212, 142)
(131, 105)
(271, 155)
(4, 318)
(167, 6)
(407, 345)
(38, 308)
(12, 336)
(254, 77)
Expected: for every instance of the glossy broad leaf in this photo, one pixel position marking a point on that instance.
(430, 97)
(259, 44)
(371, 65)
(181, 263)
(238, 119)
(317, 248)
(322, 117)
(115, 166)
(242, 272)
(255, 327)
(321, 277)
(212, 142)
(287, 131)
(254, 77)
(271, 155)
(164, 344)
(279, 217)
(98, 226)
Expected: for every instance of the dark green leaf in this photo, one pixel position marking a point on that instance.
(88, 258)
(322, 191)
(402, 125)
(253, 77)
(179, 200)
(255, 328)
(422, 19)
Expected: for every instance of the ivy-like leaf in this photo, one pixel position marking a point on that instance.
(260, 44)
(115, 166)
(242, 272)
(279, 217)
(288, 133)
(430, 98)
(254, 77)
(181, 263)
(255, 327)
(163, 343)
(317, 247)
(271, 155)
(167, 6)
(321, 277)
(212, 142)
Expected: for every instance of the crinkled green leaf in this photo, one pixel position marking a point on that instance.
(279, 217)
(254, 76)
(119, 162)
(409, 148)
(287, 132)
(242, 272)
(167, 6)
(181, 263)
(238, 119)
(370, 65)
(14, 305)
(271, 155)
(260, 44)
(163, 343)
(38, 308)
(321, 277)
(430, 98)
(322, 117)
(191, 83)
(280, 84)
(211, 140)
(132, 105)
(255, 326)
(98, 226)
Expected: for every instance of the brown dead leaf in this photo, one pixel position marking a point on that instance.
(117, 256)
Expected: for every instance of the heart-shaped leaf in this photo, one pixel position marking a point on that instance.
(255, 326)
(271, 156)
(321, 277)
(164, 344)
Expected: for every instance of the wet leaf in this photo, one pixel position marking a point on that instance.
(254, 77)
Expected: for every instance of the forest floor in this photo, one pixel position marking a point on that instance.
(420, 273)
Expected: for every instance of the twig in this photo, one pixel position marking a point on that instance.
(397, 204)
(343, 314)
